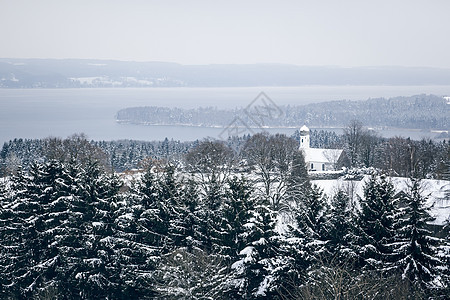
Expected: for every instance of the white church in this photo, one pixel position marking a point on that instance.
(320, 160)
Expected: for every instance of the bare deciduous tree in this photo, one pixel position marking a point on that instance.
(74, 148)
(337, 280)
(272, 157)
(210, 162)
(369, 141)
(190, 275)
(401, 157)
(353, 137)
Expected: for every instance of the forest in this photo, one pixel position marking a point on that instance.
(420, 111)
(396, 156)
(236, 219)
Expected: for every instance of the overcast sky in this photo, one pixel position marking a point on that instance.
(327, 32)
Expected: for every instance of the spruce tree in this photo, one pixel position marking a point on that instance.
(340, 227)
(237, 209)
(306, 206)
(415, 249)
(134, 259)
(257, 271)
(374, 230)
(310, 233)
(37, 216)
(11, 241)
(190, 274)
(62, 233)
(186, 227)
(298, 183)
(154, 218)
(444, 254)
(89, 268)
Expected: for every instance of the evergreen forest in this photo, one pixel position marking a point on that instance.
(236, 219)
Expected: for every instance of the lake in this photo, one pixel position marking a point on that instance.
(39, 113)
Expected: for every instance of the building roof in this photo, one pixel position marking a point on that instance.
(322, 155)
(304, 128)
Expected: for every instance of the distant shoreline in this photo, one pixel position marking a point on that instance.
(88, 73)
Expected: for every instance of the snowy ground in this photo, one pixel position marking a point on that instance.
(437, 192)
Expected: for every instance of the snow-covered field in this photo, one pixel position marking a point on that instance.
(436, 191)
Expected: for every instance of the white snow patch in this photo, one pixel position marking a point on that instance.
(436, 191)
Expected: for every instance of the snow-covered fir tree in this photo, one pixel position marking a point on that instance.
(444, 255)
(374, 227)
(191, 229)
(311, 225)
(237, 211)
(341, 219)
(257, 271)
(415, 249)
(61, 217)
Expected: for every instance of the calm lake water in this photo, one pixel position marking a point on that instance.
(39, 113)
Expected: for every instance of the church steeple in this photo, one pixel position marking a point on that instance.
(304, 137)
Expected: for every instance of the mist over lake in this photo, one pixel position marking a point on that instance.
(38, 113)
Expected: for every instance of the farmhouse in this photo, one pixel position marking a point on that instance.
(320, 159)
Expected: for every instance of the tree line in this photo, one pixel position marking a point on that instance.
(214, 226)
(396, 156)
(419, 111)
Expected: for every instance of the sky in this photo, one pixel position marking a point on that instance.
(344, 33)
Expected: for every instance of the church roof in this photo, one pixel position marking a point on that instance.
(322, 155)
(304, 128)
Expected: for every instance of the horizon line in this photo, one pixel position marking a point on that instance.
(228, 64)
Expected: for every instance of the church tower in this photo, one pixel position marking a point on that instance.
(304, 137)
